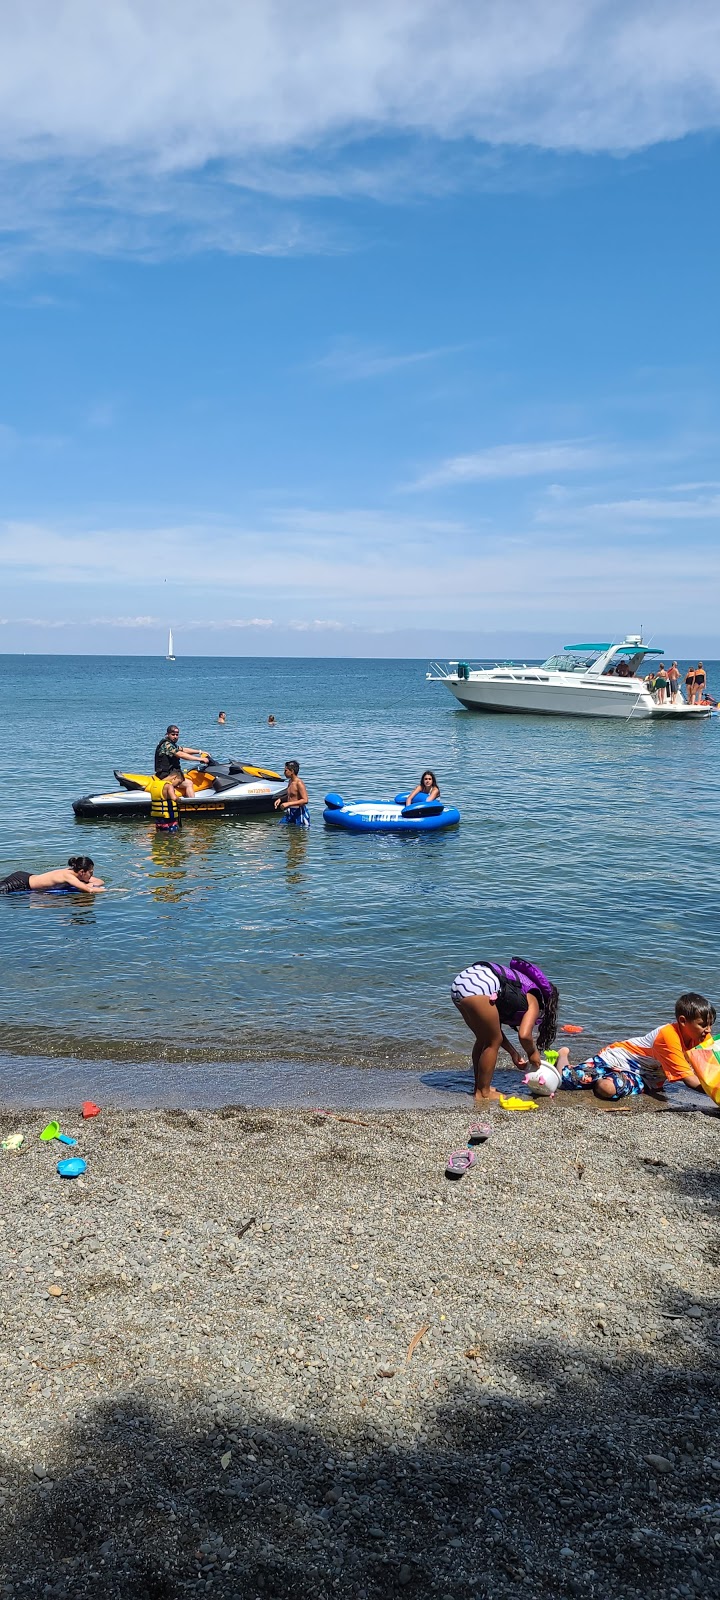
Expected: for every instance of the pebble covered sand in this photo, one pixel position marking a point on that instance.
(209, 1384)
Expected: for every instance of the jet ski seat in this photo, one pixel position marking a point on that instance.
(222, 780)
(128, 783)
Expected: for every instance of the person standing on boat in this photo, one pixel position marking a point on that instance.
(661, 684)
(673, 676)
(168, 755)
(690, 685)
(519, 995)
(700, 681)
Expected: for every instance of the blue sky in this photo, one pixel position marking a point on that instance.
(375, 329)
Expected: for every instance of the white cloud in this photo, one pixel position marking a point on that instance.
(177, 123)
(187, 82)
(505, 461)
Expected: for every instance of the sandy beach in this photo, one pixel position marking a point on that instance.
(210, 1386)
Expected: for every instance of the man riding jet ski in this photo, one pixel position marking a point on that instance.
(168, 754)
(229, 788)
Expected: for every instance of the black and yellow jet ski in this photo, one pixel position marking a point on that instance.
(222, 789)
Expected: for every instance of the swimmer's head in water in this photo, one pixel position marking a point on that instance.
(82, 866)
(292, 767)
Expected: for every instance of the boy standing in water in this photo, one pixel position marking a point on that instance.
(295, 802)
(645, 1064)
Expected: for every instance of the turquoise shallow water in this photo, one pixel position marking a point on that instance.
(590, 846)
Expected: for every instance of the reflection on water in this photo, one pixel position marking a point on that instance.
(295, 857)
(168, 875)
(230, 938)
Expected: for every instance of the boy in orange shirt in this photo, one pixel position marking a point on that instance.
(644, 1064)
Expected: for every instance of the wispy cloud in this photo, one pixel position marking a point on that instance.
(638, 509)
(194, 625)
(350, 363)
(517, 461)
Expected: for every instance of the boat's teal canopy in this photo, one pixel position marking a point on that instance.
(620, 649)
(639, 649)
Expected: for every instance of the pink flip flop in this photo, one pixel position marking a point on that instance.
(478, 1132)
(459, 1163)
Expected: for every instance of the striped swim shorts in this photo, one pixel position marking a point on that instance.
(479, 979)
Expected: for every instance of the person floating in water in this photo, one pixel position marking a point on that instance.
(428, 786)
(489, 994)
(644, 1065)
(271, 721)
(78, 874)
(221, 717)
(168, 755)
(294, 803)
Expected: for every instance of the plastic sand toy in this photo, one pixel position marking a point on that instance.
(72, 1168)
(545, 1080)
(13, 1141)
(52, 1131)
(89, 1109)
(511, 1102)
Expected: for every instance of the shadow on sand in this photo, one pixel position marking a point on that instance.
(605, 1483)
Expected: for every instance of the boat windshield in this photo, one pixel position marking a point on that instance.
(570, 663)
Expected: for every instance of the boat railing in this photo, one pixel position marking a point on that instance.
(439, 672)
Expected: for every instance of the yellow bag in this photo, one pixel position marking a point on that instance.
(705, 1061)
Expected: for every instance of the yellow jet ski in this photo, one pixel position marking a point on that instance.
(222, 789)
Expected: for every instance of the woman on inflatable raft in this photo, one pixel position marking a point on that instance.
(420, 811)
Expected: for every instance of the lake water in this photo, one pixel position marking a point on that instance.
(252, 950)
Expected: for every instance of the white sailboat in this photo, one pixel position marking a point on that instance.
(170, 652)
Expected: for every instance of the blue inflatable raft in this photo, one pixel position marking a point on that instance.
(389, 816)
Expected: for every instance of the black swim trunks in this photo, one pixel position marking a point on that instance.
(15, 883)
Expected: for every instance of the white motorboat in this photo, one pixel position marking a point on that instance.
(586, 680)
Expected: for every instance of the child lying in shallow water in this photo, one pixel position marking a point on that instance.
(645, 1064)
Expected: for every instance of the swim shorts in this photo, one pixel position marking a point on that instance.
(300, 815)
(15, 883)
(479, 979)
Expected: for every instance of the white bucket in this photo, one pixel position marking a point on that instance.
(545, 1080)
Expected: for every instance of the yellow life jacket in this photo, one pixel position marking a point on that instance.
(163, 809)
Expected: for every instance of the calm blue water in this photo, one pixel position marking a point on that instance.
(590, 846)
